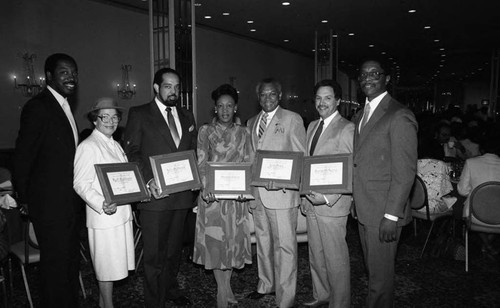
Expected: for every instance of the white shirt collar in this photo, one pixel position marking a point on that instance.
(162, 107)
(60, 99)
(329, 119)
(375, 102)
(270, 115)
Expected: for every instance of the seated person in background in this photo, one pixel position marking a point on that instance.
(470, 148)
(478, 170)
(442, 145)
(435, 174)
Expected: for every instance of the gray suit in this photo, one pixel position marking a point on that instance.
(326, 226)
(385, 163)
(275, 212)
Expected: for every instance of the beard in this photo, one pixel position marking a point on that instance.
(171, 100)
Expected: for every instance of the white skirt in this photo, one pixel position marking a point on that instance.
(112, 251)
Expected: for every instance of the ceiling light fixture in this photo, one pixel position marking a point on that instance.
(351, 34)
(285, 3)
(436, 40)
(371, 45)
(252, 30)
(427, 27)
(225, 14)
(324, 21)
(383, 52)
(441, 48)
(249, 21)
(208, 17)
(286, 41)
(412, 11)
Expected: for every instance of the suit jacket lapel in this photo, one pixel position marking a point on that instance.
(185, 124)
(376, 116)
(160, 124)
(57, 111)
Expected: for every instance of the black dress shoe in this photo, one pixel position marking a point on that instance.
(181, 301)
(315, 303)
(257, 295)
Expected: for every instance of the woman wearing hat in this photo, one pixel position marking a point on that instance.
(109, 226)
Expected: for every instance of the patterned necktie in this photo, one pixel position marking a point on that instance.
(69, 115)
(173, 127)
(316, 137)
(366, 114)
(263, 124)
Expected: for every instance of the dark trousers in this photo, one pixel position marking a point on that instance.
(59, 261)
(162, 233)
(379, 260)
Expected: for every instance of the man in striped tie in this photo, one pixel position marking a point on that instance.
(275, 210)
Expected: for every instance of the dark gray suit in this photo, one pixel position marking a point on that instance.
(147, 134)
(385, 163)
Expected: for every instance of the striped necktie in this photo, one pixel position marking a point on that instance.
(263, 124)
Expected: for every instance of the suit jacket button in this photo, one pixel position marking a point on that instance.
(355, 165)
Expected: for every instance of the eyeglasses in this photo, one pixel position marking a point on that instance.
(373, 75)
(110, 119)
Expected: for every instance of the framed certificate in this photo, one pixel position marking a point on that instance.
(176, 172)
(281, 167)
(121, 183)
(229, 180)
(327, 174)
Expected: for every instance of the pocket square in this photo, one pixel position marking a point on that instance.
(191, 128)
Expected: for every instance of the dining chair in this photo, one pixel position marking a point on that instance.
(419, 200)
(27, 252)
(484, 212)
(137, 238)
(4, 288)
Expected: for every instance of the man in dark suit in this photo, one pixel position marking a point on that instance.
(43, 179)
(275, 210)
(161, 127)
(385, 162)
(327, 213)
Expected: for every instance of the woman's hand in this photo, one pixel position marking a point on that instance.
(316, 198)
(208, 197)
(109, 209)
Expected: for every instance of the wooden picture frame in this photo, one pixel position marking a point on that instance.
(122, 183)
(281, 167)
(176, 172)
(327, 174)
(229, 180)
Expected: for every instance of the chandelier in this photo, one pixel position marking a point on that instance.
(125, 91)
(29, 87)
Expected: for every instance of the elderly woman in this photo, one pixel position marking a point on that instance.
(109, 226)
(222, 226)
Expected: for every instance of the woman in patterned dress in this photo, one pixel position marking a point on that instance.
(222, 226)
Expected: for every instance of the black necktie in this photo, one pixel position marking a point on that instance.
(173, 127)
(316, 137)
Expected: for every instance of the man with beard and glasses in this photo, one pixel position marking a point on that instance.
(155, 128)
(385, 163)
(43, 179)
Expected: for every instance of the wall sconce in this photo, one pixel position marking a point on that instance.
(125, 91)
(30, 87)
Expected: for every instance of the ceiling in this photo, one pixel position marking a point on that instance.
(457, 46)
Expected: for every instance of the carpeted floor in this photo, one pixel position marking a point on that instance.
(426, 282)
